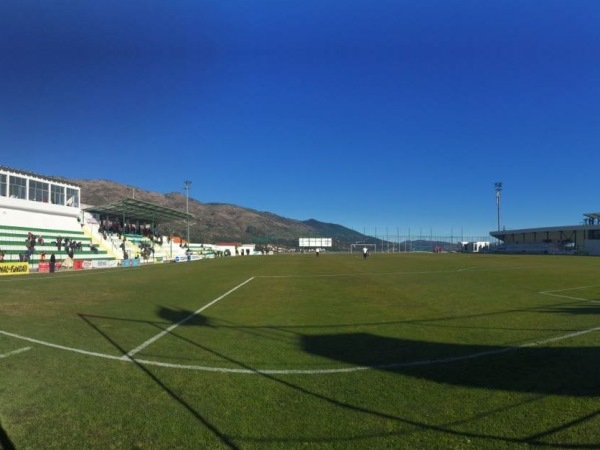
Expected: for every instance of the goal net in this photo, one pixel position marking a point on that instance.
(372, 248)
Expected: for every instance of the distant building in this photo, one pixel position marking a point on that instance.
(227, 248)
(568, 239)
(475, 247)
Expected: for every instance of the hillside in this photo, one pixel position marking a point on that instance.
(216, 222)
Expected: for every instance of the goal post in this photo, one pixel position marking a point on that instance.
(359, 247)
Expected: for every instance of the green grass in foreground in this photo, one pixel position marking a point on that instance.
(398, 351)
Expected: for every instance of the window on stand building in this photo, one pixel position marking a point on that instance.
(38, 191)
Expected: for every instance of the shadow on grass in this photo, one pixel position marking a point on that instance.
(575, 310)
(183, 317)
(368, 349)
(170, 316)
(5, 442)
(571, 371)
(341, 347)
(224, 439)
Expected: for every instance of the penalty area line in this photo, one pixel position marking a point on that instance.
(14, 352)
(552, 293)
(57, 346)
(175, 325)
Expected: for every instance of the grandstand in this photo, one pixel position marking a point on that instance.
(42, 215)
(132, 229)
(14, 242)
(570, 239)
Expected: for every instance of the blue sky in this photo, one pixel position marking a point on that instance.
(390, 114)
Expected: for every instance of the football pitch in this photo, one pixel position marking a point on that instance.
(297, 351)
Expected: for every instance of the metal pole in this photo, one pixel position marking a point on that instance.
(187, 185)
(498, 188)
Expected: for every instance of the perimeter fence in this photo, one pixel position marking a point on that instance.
(387, 240)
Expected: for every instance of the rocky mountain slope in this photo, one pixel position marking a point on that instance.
(216, 222)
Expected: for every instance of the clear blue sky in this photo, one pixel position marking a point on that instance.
(389, 114)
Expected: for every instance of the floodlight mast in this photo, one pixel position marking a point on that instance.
(186, 186)
(498, 189)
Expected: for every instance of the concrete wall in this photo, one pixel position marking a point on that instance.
(22, 213)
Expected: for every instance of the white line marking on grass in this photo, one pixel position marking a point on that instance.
(471, 269)
(172, 327)
(571, 288)
(60, 347)
(491, 352)
(552, 293)
(425, 362)
(40, 276)
(355, 274)
(419, 272)
(14, 352)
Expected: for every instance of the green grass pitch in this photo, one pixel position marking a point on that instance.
(297, 351)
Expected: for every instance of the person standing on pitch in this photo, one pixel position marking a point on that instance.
(52, 262)
(365, 252)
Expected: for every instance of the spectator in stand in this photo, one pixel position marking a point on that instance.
(43, 257)
(2, 255)
(31, 240)
(30, 249)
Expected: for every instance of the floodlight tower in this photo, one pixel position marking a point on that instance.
(498, 188)
(186, 186)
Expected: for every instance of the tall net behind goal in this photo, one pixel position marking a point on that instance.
(372, 248)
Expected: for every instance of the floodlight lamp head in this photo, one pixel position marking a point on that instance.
(498, 186)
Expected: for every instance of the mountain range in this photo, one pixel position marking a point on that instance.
(219, 222)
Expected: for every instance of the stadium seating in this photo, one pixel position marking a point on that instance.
(13, 241)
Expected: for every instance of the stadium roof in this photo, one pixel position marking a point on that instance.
(132, 209)
(37, 175)
(592, 215)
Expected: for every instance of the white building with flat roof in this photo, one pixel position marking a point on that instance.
(23, 193)
(581, 239)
